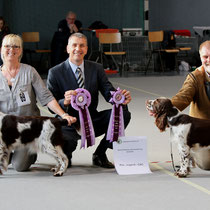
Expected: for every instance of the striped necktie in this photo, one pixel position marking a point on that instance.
(80, 79)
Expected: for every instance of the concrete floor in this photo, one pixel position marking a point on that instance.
(90, 188)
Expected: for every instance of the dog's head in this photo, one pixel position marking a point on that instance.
(161, 108)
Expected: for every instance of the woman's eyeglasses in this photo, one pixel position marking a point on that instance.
(12, 46)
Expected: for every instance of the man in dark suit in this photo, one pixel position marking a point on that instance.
(62, 82)
(66, 27)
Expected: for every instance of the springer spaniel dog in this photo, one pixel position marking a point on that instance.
(191, 134)
(35, 132)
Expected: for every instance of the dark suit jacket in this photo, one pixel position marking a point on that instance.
(60, 41)
(61, 78)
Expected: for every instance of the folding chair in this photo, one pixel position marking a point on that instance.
(97, 32)
(113, 44)
(33, 37)
(107, 30)
(155, 40)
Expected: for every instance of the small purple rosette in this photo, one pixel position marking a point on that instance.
(116, 122)
(80, 102)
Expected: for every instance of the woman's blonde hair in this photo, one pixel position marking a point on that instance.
(13, 39)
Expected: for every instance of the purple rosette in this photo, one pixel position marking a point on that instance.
(80, 102)
(116, 122)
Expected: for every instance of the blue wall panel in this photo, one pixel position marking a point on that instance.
(43, 15)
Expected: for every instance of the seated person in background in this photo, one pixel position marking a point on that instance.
(18, 79)
(4, 30)
(59, 42)
(62, 82)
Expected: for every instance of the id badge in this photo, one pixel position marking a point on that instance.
(23, 98)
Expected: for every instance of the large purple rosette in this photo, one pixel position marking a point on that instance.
(116, 122)
(80, 102)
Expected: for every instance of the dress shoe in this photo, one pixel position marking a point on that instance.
(102, 161)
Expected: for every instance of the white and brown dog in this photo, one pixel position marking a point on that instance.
(37, 133)
(191, 134)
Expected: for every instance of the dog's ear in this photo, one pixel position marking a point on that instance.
(161, 122)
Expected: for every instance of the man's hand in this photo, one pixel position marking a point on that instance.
(127, 96)
(73, 28)
(67, 96)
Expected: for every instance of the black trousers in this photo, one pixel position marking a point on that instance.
(100, 123)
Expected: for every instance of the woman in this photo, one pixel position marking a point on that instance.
(20, 86)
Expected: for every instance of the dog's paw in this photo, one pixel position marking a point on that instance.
(181, 174)
(58, 173)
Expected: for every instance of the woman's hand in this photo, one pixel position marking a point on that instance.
(69, 118)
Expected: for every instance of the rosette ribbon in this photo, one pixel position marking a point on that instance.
(80, 102)
(116, 122)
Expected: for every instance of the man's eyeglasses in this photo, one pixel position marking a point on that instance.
(12, 46)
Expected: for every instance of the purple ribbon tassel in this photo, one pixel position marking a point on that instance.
(80, 102)
(116, 123)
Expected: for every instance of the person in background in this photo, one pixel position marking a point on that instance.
(59, 42)
(18, 80)
(62, 82)
(4, 30)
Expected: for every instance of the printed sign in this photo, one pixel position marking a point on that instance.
(130, 155)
